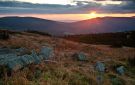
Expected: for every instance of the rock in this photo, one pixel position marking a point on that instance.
(37, 59)
(46, 52)
(15, 64)
(5, 58)
(79, 56)
(120, 70)
(6, 51)
(100, 67)
(22, 51)
(27, 59)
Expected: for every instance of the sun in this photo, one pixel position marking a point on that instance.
(93, 14)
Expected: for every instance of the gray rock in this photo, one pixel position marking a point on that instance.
(5, 58)
(22, 51)
(46, 52)
(120, 70)
(15, 64)
(80, 56)
(27, 59)
(6, 51)
(36, 58)
(100, 67)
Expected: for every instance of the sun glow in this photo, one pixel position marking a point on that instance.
(93, 14)
(70, 17)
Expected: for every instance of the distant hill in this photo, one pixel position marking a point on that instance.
(106, 24)
(30, 23)
(96, 25)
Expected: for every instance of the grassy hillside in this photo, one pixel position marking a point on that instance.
(64, 70)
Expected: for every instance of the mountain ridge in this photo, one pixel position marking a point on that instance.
(95, 25)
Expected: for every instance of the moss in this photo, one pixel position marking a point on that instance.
(115, 80)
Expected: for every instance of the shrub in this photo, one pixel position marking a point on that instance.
(131, 61)
(4, 34)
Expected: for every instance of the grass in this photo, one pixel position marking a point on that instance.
(67, 71)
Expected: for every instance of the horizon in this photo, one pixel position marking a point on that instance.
(68, 17)
(67, 10)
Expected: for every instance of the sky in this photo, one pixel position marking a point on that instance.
(67, 10)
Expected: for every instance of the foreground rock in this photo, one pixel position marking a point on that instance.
(120, 70)
(14, 62)
(80, 56)
(100, 67)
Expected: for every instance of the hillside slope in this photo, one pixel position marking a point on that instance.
(64, 70)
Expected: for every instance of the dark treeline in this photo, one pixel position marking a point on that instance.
(38, 32)
(117, 39)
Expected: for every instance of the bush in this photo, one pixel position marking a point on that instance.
(4, 34)
(131, 61)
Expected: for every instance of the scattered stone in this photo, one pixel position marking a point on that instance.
(27, 59)
(100, 67)
(14, 62)
(5, 51)
(22, 51)
(120, 70)
(5, 58)
(37, 59)
(46, 52)
(79, 56)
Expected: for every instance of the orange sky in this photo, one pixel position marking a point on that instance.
(70, 17)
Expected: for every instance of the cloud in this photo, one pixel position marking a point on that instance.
(13, 7)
